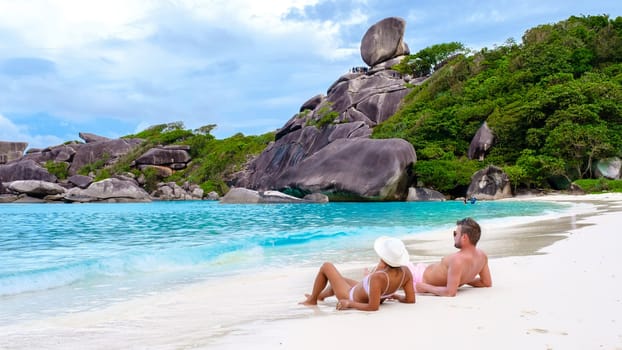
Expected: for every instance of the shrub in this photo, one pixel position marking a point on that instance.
(599, 185)
(326, 116)
(58, 169)
(445, 175)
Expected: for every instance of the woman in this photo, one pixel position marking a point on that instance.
(389, 275)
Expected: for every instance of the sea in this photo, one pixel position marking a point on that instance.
(69, 258)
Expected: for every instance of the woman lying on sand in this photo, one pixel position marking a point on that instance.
(389, 275)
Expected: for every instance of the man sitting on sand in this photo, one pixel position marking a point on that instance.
(467, 266)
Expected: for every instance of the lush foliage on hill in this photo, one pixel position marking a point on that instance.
(554, 103)
(212, 160)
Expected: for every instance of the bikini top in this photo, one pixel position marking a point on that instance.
(366, 283)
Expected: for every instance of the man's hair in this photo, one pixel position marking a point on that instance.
(471, 228)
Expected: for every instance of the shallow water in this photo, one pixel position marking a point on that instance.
(59, 259)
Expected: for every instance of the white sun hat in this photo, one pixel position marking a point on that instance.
(392, 251)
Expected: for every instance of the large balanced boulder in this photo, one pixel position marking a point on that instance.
(490, 183)
(325, 148)
(383, 41)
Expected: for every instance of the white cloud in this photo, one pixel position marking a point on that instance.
(124, 58)
(8, 130)
(62, 24)
(12, 132)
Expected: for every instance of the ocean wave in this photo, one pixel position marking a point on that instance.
(139, 263)
(301, 238)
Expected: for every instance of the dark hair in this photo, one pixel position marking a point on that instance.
(471, 228)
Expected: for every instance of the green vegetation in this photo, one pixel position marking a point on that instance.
(446, 176)
(326, 116)
(58, 169)
(429, 59)
(554, 103)
(213, 160)
(95, 167)
(599, 185)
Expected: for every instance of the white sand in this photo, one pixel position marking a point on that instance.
(568, 298)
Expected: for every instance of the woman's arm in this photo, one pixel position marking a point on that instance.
(377, 283)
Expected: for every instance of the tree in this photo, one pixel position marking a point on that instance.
(429, 59)
(579, 145)
(205, 129)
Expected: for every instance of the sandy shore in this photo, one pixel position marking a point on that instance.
(557, 285)
(566, 296)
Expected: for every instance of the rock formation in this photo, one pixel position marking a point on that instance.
(24, 169)
(383, 41)
(81, 181)
(490, 183)
(175, 157)
(36, 188)
(481, 143)
(609, 168)
(420, 194)
(78, 155)
(10, 151)
(325, 148)
(239, 195)
(26, 180)
(109, 151)
(88, 137)
(171, 191)
(108, 190)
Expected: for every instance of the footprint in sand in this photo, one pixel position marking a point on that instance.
(525, 313)
(544, 331)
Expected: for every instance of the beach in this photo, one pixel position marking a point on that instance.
(556, 285)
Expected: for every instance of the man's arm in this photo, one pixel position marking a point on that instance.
(453, 281)
(484, 279)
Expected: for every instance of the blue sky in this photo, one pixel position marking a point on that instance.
(116, 67)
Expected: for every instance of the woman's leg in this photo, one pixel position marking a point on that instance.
(328, 291)
(328, 273)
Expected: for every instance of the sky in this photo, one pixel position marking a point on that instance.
(116, 67)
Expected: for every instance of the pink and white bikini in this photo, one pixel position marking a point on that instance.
(365, 282)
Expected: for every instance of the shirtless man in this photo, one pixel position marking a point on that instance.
(467, 266)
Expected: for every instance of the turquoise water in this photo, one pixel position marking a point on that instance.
(64, 258)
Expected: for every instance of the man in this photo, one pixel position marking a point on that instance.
(467, 266)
